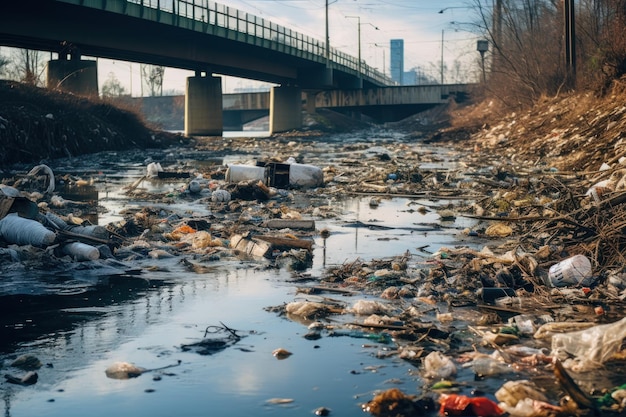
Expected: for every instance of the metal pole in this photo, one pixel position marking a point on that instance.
(327, 38)
(359, 40)
(384, 64)
(442, 30)
(570, 41)
(482, 58)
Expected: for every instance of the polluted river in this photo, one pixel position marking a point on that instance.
(387, 287)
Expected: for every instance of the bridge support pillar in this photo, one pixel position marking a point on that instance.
(74, 75)
(285, 109)
(203, 106)
(310, 102)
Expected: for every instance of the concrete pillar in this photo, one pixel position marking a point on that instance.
(285, 109)
(74, 75)
(203, 106)
(310, 102)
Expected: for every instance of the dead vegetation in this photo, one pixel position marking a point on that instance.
(38, 124)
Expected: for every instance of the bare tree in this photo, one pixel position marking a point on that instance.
(528, 46)
(602, 41)
(4, 62)
(112, 87)
(27, 66)
(152, 77)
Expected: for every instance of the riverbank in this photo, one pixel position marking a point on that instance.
(416, 263)
(573, 132)
(38, 124)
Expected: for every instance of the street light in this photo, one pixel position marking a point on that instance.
(359, 35)
(482, 46)
(442, 32)
(448, 8)
(327, 36)
(384, 63)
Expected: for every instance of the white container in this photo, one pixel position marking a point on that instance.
(302, 175)
(571, 271)
(21, 231)
(238, 173)
(81, 251)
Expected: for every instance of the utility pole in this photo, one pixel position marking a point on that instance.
(327, 38)
(570, 41)
(497, 35)
(442, 30)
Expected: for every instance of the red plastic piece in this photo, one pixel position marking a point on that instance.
(461, 405)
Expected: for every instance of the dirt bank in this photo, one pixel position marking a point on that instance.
(572, 132)
(38, 124)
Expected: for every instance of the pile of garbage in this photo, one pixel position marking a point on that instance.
(42, 228)
(540, 305)
(29, 227)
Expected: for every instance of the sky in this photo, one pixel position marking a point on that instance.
(417, 22)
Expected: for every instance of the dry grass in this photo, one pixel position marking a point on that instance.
(38, 124)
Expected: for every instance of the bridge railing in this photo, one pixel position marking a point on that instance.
(281, 38)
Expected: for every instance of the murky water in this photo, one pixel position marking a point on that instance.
(81, 322)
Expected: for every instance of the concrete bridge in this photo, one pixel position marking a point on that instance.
(383, 104)
(199, 35)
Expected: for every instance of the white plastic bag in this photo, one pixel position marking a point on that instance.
(590, 347)
(153, 169)
(438, 366)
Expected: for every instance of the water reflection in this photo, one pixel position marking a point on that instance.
(84, 193)
(145, 318)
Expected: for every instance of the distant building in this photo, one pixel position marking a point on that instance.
(409, 78)
(397, 60)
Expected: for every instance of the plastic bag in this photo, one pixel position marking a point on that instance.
(461, 405)
(437, 365)
(512, 392)
(153, 169)
(590, 347)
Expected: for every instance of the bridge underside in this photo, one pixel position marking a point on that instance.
(236, 119)
(384, 113)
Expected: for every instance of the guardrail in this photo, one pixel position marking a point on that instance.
(280, 38)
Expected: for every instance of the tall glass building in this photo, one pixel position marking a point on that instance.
(397, 60)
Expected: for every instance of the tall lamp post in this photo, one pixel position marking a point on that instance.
(359, 36)
(327, 38)
(442, 31)
(384, 61)
(448, 8)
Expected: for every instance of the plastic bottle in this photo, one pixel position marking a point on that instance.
(92, 230)
(485, 366)
(81, 251)
(302, 175)
(571, 271)
(21, 231)
(238, 173)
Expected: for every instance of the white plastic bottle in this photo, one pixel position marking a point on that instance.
(571, 271)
